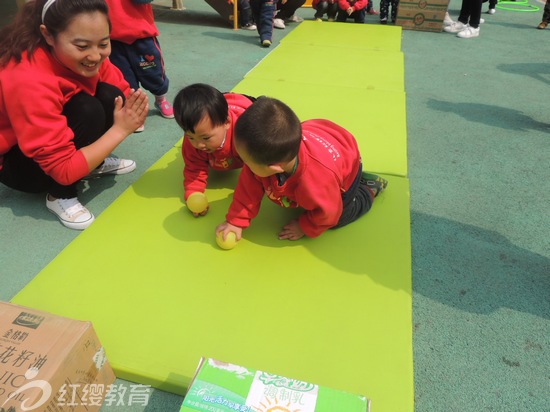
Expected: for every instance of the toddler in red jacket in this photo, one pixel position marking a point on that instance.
(136, 51)
(207, 117)
(314, 165)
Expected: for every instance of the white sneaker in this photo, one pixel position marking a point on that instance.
(447, 21)
(491, 11)
(249, 26)
(70, 212)
(481, 21)
(468, 33)
(279, 23)
(140, 129)
(113, 166)
(456, 27)
(294, 19)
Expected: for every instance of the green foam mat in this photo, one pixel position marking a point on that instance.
(345, 36)
(366, 69)
(335, 310)
(377, 118)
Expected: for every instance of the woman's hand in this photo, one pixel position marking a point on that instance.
(130, 115)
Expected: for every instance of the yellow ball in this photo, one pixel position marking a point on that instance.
(197, 202)
(230, 240)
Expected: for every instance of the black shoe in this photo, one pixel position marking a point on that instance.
(374, 183)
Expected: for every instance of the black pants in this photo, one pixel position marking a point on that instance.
(285, 11)
(492, 3)
(89, 117)
(470, 12)
(546, 13)
(385, 9)
(357, 201)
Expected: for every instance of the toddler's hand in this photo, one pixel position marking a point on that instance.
(227, 227)
(291, 231)
(204, 212)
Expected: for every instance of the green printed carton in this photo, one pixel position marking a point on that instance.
(224, 387)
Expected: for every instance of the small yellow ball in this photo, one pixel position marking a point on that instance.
(197, 202)
(230, 240)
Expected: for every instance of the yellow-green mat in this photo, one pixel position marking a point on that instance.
(345, 36)
(335, 310)
(331, 69)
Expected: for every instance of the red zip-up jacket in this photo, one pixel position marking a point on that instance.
(32, 95)
(131, 21)
(198, 162)
(328, 163)
(355, 5)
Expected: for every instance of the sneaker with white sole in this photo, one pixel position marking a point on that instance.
(140, 129)
(279, 23)
(113, 166)
(447, 21)
(468, 33)
(249, 26)
(294, 19)
(165, 108)
(491, 11)
(70, 212)
(456, 27)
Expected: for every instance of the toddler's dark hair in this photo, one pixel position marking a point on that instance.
(269, 131)
(195, 101)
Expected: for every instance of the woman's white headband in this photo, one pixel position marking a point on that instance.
(46, 7)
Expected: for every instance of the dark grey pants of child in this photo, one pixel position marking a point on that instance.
(141, 63)
(357, 201)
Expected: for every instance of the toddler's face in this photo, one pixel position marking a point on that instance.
(207, 137)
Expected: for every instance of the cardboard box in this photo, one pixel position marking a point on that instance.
(50, 363)
(425, 15)
(224, 387)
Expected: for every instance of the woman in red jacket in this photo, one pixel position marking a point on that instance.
(63, 106)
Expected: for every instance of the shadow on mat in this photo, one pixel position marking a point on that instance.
(189, 17)
(537, 71)
(344, 249)
(476, 270)
(502, 117)
(168, 181)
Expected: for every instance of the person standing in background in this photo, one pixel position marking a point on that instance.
(545, 17)
(136, 50)
(467, 25)
(263, 12)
